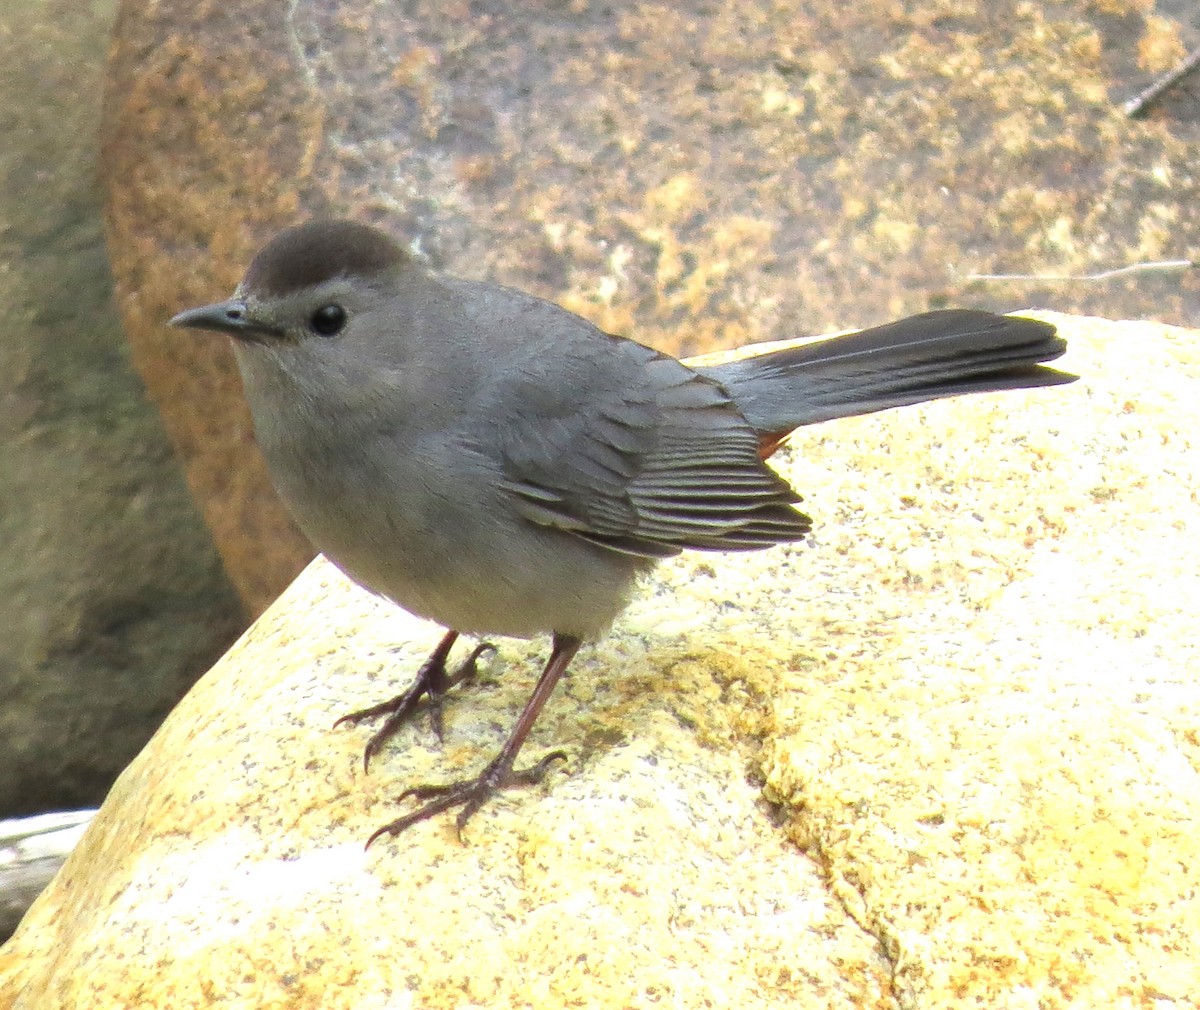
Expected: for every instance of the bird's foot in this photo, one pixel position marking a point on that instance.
(470, 794)
(432, 680)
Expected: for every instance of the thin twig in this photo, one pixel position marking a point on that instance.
(1104, 275)
(1140, 103)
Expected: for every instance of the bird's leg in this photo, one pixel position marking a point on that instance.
(471, 794)
(432, 680)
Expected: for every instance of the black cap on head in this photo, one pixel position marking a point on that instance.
(317, 251)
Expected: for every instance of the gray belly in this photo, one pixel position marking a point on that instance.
(478, 568)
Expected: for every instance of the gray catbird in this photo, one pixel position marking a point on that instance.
(495, 463)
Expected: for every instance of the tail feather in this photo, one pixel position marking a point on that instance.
(923, 357)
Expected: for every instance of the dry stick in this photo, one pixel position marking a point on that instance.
(1137, 105)
(1104, 275)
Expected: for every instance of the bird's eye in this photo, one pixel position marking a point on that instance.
(328, 320)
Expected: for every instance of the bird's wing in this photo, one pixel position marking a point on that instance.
(631, 450)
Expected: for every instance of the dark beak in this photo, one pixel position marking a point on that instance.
(226, 317)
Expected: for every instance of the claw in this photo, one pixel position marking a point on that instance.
(433, 681)
(532, 776)
(470, 794)
(469, 667)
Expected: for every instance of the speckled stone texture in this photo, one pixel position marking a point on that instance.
(695, 175)
(971, 699)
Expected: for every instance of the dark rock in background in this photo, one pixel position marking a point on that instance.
(693, 175)
(204, 156)
(112, 598)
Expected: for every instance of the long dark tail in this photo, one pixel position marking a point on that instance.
(920, 358)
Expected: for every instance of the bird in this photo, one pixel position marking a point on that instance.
(495, 463)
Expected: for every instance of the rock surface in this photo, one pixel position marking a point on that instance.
(112, 596)
(692, 175)
(971, 699)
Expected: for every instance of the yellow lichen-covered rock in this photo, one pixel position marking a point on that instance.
(971, 698)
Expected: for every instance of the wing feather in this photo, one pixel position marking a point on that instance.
(639, 454)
